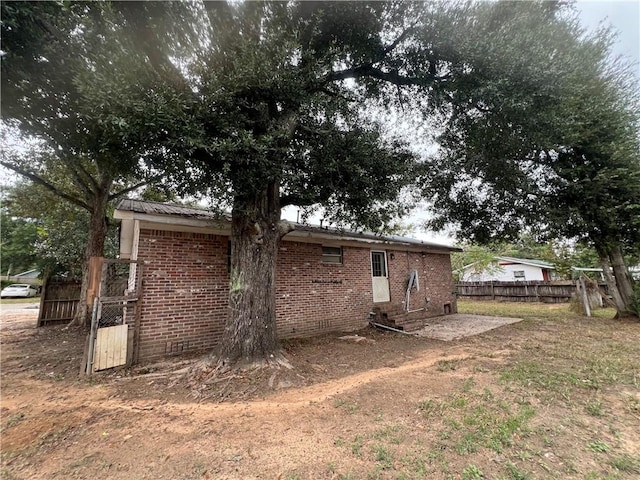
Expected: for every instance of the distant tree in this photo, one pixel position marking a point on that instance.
(17, 243)
(79, 151)
(60, 229)
(557, 153)
(478, 259)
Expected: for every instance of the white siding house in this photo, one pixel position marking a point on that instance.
(509, 269)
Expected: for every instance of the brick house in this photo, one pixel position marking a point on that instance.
(327, 280)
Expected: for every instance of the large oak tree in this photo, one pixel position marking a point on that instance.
(69, 142)
(268, 104)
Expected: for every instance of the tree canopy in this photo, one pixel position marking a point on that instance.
(267, 104)
(560, 157)
(77, 146)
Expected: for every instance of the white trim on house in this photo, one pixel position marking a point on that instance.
(202, 221)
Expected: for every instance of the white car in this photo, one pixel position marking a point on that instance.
(19, 290)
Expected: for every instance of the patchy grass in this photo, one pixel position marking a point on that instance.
(626, 463)
(560, 311)
(519, 418)
(554, 396)
(12, 301)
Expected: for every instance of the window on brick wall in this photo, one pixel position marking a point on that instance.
(331, 254)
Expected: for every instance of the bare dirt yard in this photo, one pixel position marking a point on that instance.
(553, 396)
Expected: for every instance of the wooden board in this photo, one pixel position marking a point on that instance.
(110, 348)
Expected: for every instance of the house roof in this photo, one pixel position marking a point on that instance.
(522, 261)
(159, 208)
(527, 261)
(29, 273)
(182, 211)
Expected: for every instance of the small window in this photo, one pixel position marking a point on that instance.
(331, 254)
(518, 275)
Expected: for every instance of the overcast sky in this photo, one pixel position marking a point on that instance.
(623, 16)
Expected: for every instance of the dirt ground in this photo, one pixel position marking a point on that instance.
(349, 408)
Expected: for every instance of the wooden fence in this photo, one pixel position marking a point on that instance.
(59, 301)
(531, 291)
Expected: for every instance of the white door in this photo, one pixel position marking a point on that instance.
(380, 277)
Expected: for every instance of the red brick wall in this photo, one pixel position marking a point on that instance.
(186, 286)
(185, 291)
(434, 278)
(312, 296)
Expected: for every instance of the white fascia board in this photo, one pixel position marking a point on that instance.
(520, 262)
(217, 227)
(175, 223)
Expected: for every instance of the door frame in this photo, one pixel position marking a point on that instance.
(381, 286)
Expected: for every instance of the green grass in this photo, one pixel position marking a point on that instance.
(11, 301)
(472, 472)
(626, 463)
(447, 365)
(526, 310)
(594, 408)
(599, 446)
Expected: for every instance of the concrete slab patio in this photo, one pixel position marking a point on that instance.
(460, 325)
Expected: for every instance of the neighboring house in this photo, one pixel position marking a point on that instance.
(30, 276)
(509, 269)
(327, 280)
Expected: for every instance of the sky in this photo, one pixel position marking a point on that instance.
(623, 16)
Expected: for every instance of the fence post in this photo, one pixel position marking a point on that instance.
(43, 293)
(95, 278)
(493, 292)
(92, 336)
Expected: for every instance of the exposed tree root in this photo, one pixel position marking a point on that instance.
(214, 377)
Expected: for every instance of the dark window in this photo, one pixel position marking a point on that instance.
(331, 254)
(378, 264)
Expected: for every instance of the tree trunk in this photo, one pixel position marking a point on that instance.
(250, 335)
(94, 248)
(610, 280)
(623, 279)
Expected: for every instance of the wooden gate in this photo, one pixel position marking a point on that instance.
(115, 319)
(59, 301)
(111, 347)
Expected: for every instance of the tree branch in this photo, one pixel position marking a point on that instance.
(397, 41)
(394, 77)
(124, 191)
(81, 182)
(40, 181)
(88, 175)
